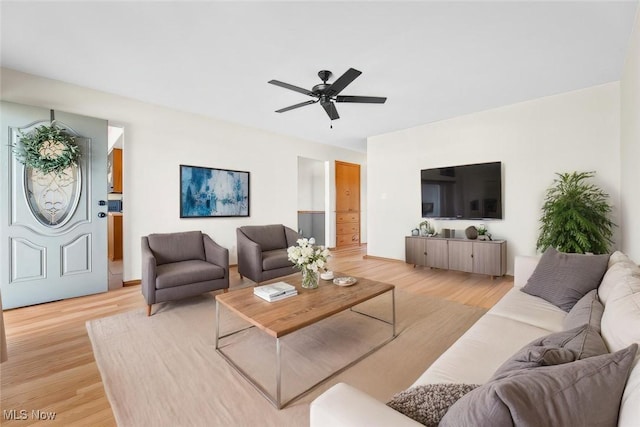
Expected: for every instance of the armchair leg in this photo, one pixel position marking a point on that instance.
(148, 310)
(241, 277)
(225, 290)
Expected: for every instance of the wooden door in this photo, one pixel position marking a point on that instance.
(488, 258)
(347, 204)
(461, 256)
(53, 228)
(415, 251)
(114, 171)
(437, 253)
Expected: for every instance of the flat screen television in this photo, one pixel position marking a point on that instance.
(462, 192)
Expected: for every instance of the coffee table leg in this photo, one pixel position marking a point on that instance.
(217, 323)
(393, 309)
(278, 374)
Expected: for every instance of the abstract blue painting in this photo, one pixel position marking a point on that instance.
(209, 192)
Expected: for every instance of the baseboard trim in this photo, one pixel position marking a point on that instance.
(382, 258)
(132, 282)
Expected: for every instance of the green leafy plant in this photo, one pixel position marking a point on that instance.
(47, 149)
(426, 228)
(575, 216)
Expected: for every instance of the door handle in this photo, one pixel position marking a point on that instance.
(101, 214)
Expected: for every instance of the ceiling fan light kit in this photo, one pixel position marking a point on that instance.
(327, 93)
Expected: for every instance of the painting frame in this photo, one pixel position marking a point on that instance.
(207, 192)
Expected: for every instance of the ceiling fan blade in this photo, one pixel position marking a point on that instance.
(291, 107)
(342, 82)
(331, 110)
(362, 99)
(290, 87)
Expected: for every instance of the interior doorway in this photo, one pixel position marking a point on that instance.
(115, 228)
(312, 199)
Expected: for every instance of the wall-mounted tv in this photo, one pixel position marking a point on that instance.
(462, 192)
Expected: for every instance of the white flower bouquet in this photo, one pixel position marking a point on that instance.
(309, 259)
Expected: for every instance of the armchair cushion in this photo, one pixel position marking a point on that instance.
(175, 247)
(269, 237)
(275, 259)
(186, 272)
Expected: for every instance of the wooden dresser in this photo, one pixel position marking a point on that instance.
(347, 204)
(114, 228)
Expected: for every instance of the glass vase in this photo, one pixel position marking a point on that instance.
(310, 279)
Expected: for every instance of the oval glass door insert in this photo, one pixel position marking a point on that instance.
(53, 197)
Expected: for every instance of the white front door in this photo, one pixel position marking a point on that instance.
(53, 230)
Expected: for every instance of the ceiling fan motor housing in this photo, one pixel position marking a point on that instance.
(324, 75)
(320, 88)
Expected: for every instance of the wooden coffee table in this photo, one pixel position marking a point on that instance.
(289, 315)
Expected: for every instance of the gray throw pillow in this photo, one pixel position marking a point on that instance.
(555, 349)
(562, 279)
(588, 309)
(428, 403)
(586, 392)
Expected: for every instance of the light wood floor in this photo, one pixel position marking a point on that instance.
(51, 366)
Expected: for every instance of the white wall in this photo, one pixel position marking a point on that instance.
(160, 139)
(310, 185)
(534, 139)
(630, 146)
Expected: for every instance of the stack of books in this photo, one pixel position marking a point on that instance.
(275, 291)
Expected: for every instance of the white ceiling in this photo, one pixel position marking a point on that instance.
(433, 60)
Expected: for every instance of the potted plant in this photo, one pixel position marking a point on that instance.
(483, 232)
(426, 229)
(575, 216)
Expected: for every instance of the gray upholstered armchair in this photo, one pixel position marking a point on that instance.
(262, 251)
(180, 265)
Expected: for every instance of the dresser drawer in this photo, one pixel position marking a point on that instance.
(347, 239)
(348, 228)
(347, 217)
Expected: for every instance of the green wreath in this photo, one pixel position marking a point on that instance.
(47, 149)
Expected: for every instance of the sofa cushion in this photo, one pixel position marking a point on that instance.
(616, 274)
(275, 259)
(555, 349)
(186, 272)
(269, 237)
(175, 247)
(584, 392)
(588, 310)
(562, 279)
(630, 407)
(428, 403)
(618, 257)
(621, 318)
(475, 356)
(528, 309)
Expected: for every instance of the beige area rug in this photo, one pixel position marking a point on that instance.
(163, 370)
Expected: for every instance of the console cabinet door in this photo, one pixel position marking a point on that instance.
(461, 256)
(437, 253)
(489, 258)
(415, 251)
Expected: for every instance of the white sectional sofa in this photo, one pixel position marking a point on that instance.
(517, 319)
